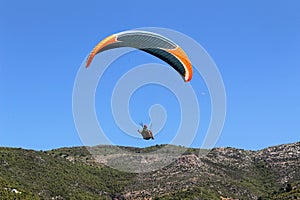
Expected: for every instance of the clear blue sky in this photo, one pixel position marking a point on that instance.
(255, 44)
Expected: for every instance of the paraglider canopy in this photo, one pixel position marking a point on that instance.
(152, 43)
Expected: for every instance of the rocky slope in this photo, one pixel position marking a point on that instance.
(222, 173)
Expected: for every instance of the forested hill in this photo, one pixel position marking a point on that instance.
(223, 173)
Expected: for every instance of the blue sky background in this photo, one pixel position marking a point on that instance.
(255, 44)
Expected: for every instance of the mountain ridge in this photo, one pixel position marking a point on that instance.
(223, 172)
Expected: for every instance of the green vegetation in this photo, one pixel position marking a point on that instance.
(194, 193)
(46, 176)
(291, 191)
(73, 173)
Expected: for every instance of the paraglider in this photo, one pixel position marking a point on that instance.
(146, 133)
(152, 43)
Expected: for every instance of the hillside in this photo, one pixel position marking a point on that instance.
(72, 173)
